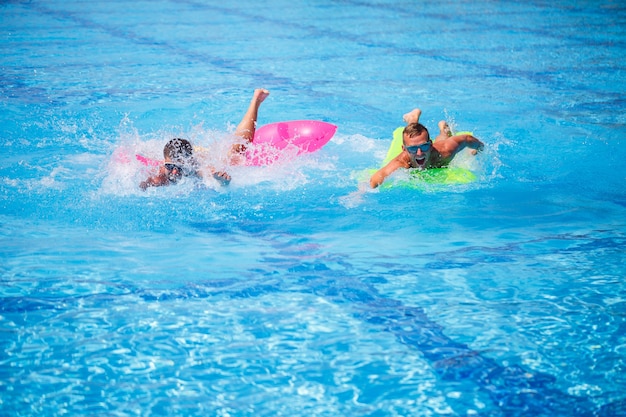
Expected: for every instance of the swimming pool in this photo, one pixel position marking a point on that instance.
(296, 290)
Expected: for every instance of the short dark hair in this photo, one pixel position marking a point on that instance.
(415, 129)
(179, 150)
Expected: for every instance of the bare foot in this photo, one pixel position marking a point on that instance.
(413, 116)
(260, 94)
(444, 129)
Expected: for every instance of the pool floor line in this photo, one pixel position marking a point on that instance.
(511, 388)
(223, 63)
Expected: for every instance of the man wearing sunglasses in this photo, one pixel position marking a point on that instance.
(179, 162)
(178, 153)
(420, 152)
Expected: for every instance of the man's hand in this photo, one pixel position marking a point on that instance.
(222, 177)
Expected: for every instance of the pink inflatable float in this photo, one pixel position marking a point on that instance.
(304, 136)
(299, 136)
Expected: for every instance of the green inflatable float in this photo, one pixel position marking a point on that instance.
(421, 179)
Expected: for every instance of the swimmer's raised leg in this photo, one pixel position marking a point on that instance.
(247, 125)
(444, 130)
(413, 116)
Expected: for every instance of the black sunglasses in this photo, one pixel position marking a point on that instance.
(170, 167)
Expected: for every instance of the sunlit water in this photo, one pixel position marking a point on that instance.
(296, 290)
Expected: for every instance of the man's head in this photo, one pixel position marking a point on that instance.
(416, 141)
(179, 159)
(178, 150)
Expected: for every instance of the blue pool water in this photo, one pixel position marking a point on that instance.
(297, 290)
